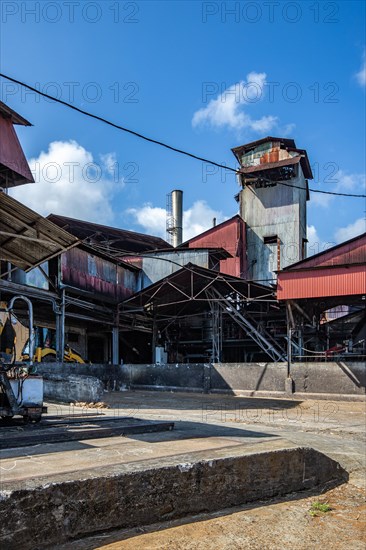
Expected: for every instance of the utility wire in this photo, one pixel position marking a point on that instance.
(162, 144)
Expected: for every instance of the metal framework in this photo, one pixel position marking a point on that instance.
(194, 291)
(261, 337)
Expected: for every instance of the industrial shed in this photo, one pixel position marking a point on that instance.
(201, 315)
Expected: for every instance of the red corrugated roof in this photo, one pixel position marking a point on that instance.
(16, 118)
(347, 253)
(14, 166)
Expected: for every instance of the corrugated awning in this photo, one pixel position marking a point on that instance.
(27, 239)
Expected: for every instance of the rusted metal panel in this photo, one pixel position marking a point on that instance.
(12, 157)
(271, 152)
(229, 235)
(86, 271)
(321, 283)
(266, 165)
(109, 239)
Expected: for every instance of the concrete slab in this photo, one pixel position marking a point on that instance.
(224, 451)
(78, 430)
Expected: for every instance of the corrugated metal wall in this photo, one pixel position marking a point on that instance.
(83, 270)
(321, 283)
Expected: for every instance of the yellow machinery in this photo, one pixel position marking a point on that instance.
(44, 349)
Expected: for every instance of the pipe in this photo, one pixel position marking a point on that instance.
(31, 329)
(177, 212)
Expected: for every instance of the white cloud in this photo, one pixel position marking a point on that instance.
(69, 182)
(151, 218)
(228, 108)
(315, 243)
(312, 236)
(109, 162)
(199, 218)
(361, 75)
(342, 183)
(352, 230)
(264, 124)
(196, 219)
(286, 130)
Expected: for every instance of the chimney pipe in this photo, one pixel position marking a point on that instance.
(214, 222)
(177, 214)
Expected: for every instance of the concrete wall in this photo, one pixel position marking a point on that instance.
(43, 514)
(70, 388)
(346, 379)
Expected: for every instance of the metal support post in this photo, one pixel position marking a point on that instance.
(289, 352)
(115, 346)
(62, 325)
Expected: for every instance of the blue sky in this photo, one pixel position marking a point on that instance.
(202, 76)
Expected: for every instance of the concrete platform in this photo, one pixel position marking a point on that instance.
(215, 458)
(64, 430)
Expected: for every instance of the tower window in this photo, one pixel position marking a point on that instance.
(271, 239)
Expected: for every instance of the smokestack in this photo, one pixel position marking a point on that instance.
(177, 211)
(174, 225)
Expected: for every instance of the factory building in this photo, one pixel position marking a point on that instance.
(114, 295)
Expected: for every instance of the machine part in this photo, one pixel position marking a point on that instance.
(21, 391)
(17, 394)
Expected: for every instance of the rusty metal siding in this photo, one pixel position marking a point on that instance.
(85, 271)
(12, 156)
(231, 237)
(321, 283)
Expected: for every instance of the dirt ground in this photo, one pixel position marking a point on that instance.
(336, 428)
(287, 524)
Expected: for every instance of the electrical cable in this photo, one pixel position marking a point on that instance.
(157, 142)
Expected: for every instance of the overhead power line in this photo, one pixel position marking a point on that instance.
(157, 142)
